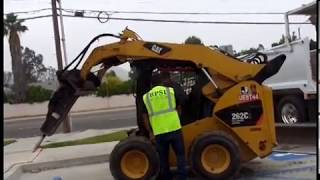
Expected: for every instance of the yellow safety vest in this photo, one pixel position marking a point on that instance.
(161, 106)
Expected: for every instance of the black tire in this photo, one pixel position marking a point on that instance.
(215, 138)
(291, 101)
(312, 110)
(140, 144)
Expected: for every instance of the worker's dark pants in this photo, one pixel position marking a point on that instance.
(175, 139)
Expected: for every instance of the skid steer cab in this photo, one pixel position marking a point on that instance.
(227, 116)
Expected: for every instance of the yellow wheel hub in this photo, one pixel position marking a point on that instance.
(134, 164)
(215, 159)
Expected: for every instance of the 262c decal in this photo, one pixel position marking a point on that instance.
(238, 117)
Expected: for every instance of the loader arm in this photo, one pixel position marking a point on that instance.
(129, 51)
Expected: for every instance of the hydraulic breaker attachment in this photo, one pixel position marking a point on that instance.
(71, 87)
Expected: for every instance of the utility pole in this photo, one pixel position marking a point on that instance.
(63, 37)
(66, 122)
(56, 34)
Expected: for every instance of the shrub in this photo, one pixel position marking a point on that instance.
(114, 86)
(102, 90)
(5, 98)
(38, 94)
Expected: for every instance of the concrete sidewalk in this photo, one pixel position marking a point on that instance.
(18, 157)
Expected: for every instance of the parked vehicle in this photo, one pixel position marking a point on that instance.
(295, 85)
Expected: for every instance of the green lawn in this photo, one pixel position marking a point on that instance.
(9, 141)
(116, 136)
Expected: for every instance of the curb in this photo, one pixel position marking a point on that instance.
(43, 166)
(18, 118)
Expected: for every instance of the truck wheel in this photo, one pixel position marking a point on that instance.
(291, 110)
(215, 156)
(134, 158)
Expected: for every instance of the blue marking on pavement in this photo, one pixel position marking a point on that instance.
(287, 156)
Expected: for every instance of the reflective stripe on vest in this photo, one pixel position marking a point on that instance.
(161, 108)
(171, 108)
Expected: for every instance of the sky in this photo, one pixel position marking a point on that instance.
(80, 31)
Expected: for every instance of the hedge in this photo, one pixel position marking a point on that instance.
(38, 94)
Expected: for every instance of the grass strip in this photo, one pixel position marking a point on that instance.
(116, 136)
(9, 141)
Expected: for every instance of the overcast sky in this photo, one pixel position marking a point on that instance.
(79, 32)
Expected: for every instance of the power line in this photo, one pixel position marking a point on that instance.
(179, 13)
(35, 17)
(170, 20)
(29, 12)
(153, 12)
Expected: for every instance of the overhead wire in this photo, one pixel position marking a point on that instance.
(179, 13)
(109, 13)
(168, 20)
(151, 12)
(35, 17)
(28, 12)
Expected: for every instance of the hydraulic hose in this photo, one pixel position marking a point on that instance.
(84, 51)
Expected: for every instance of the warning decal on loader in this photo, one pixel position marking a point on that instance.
(248, 94)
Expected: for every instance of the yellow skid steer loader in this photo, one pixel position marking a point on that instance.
(228, 118)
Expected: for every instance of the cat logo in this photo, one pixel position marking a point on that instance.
(156, 48)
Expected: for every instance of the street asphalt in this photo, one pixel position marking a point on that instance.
(282, 166)
(101, 120)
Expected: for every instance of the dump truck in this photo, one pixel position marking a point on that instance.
(228, 118)
(295, 85)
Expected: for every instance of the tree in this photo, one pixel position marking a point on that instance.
(247, 51)
(49, 75)
(193, 40)
(260, 47)
(12, 28)
(110, 86)
(32, 65)
(282, 40)
(111, 73)
(7, 79)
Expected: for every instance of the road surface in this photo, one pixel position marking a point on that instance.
(284, 166)
(101, 120)
(118, 119)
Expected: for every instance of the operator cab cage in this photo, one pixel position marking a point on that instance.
(184, 74)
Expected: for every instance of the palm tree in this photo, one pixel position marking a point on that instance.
(12, 28)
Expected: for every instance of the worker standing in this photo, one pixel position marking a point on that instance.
(161, 114)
